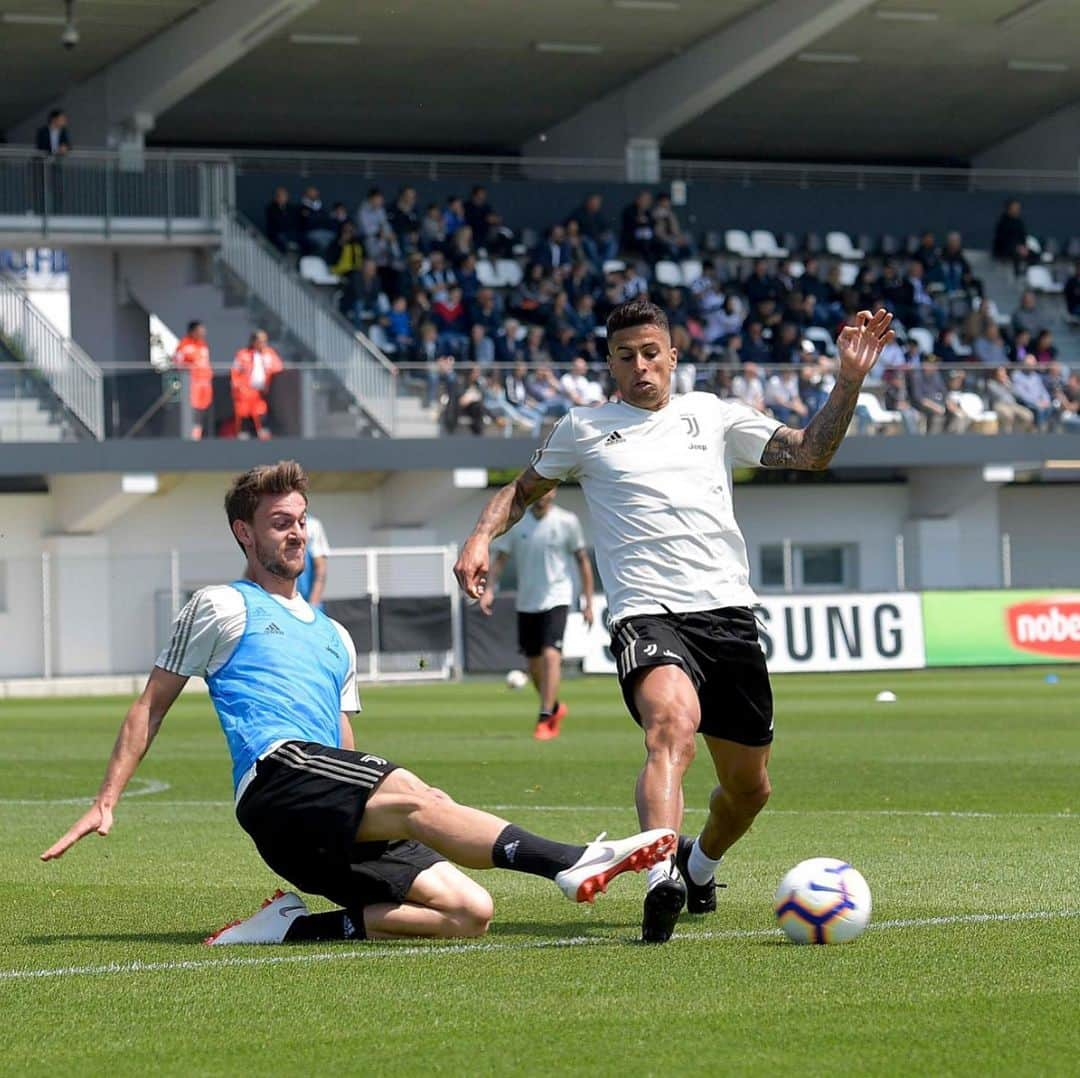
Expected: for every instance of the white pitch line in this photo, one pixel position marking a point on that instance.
(148, 787)
(436, 951)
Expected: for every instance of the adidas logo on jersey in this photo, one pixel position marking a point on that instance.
(614, 438)
(272, 628)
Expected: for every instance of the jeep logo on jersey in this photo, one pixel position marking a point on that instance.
(692, 427)
(1046, 626)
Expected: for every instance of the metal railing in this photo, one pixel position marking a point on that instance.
(70, 372)
(361, 368)
(744, 173)
(113, 194)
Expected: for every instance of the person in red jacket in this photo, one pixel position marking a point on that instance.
(193, 353)
(252, 369)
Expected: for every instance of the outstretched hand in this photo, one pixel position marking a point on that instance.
(861, 344)
(472, 567)
(95, 819)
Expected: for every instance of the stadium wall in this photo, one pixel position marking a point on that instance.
(114, 559)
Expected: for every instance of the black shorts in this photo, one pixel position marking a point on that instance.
(542, 629)
(303, 808)
(720, 653)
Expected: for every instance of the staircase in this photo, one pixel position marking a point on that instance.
(26, 412)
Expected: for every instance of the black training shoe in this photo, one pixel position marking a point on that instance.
(663, 904)
(700, 897)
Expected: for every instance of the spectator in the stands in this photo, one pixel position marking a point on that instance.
(508, 341)
(748, 387)
(670, 240)
(467, 276)
(755, 349)
(1010, 236)
(954, 272)
(552, 251)
(281, 220)
(193, 354)
(453, 215)
(402, 215)
(1072, 293)
(432, 229)
(1043, 348)
(989, 348)
(811, 284)
(578, 388)
(582, 315)
(917, 306)
(597, 236)
(722, 325)
(452, 318)
(52, 137)
(1027, 316)
(1069, 403)
(364, 300)
(316, 228)
(545, 390)
(438, 279)
(783, 399)
(637, 236)
(927, 254)
(1010, 412)
(575, 244)
(930, 397)
(479, 214)
(1031, 391)
(372, 216)
(516, 404)
(345, 255)
(1019, 346)
(425, 354)
(787, 344)
(896, 399)
(254, 367)
(486, 310)
(460, 245)
(480, 348)
(761, 286)
(947, 347)
(399, 325)
(582, 281)
(815, 380)
(467, 401)
(339, 214)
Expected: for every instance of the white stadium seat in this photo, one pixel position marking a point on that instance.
(923, 338)
(764, 243)
(314, 269)
(1040, 279)
(738, 243)
(849, 273)
(509, 272)
(691, 271)
(614, 265)
(878, 414)
(486, 274)
(821, 338)
(668, 274)
(839, 244)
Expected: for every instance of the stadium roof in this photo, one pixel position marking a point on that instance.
(898, 80)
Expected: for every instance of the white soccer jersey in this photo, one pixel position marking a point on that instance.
(209, 628)
(543, 550)
(658, 486)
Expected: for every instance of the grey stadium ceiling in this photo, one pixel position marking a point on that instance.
(466, 76)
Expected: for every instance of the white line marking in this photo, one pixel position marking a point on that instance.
(437, 951)
(146, 788)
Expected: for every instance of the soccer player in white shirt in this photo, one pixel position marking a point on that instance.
(655, 470)
(353, 827)
(545, 545)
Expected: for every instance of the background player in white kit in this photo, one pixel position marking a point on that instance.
(655, 471)
(350, 826)
(545, 544)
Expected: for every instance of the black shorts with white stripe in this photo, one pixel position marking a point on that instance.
(719, 651)
(302, 810)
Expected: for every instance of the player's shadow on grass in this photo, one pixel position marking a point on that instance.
(118, 937)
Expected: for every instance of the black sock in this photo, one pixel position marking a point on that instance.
(522, 851)
(320, 927)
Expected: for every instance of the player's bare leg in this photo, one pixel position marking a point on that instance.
(670, 712)
(405, 807)
(743, 789)
(442, 902)
(548, 680)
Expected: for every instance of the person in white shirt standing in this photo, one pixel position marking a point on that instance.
(655, 470)
(544, 545)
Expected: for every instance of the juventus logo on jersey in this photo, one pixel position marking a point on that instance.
(692, 427)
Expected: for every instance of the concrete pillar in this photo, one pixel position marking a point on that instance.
(81, 604)
(104, 320)
(952, 536)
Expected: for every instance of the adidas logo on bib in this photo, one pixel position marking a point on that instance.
(272, 628)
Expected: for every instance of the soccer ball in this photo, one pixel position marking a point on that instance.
(823, 901)
(517, 679)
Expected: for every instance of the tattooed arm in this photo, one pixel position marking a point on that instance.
(500, 514)
(813, 447)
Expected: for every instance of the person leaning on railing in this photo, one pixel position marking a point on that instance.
(193, 353)
(252, 370)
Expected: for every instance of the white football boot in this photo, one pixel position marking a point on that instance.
(269, 925)
(602, 861)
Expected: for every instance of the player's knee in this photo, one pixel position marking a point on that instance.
(672, 734)
(754, 792)
(475, 914)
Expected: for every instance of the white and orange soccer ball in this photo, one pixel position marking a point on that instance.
(823, 900)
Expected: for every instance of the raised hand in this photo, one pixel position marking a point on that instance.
(861, 344)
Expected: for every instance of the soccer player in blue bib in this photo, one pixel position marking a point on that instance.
(347, 825)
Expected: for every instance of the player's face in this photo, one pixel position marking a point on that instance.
(642, 360)
(279, 535)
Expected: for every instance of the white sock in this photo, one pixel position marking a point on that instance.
(701, 867)
(660, 871)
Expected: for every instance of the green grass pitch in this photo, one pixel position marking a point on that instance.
(960, 804)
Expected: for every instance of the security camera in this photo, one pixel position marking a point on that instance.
(70, 37)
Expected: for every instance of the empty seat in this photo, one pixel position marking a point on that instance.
(691, 269)
(764, 243)
(1040, 279)
(738, 243)
(840, 245)
(813, 244)
(849, 273)
(880, 416)
(889, 245)
(486, 274)
(614, 265)
(668, 274)
(790, 241)
(821, 338)
(313, 268)
(923, 338)
(509, 272)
